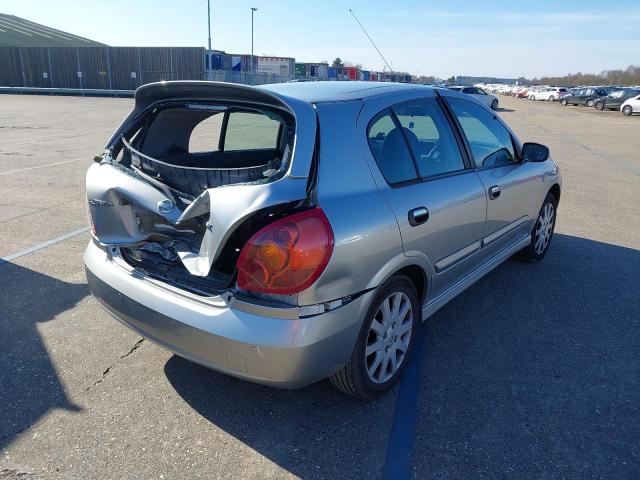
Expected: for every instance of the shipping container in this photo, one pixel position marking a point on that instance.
(282, 66)
(351, 73)
(301, 69)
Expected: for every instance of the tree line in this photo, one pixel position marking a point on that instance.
(629, 76)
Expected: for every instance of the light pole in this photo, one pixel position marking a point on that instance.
(253, 10)
(209, 20)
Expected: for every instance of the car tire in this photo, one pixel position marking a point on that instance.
(368, 375)
(494, 105)
(599, 105)
(564, 102)
(532, 97)
(627, 110)
(589, 103)
(542, 231)
(552, 98)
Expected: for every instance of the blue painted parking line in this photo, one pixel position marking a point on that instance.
(405, 419)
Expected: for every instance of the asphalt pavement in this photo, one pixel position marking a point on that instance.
(533, 372)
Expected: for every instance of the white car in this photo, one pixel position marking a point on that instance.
(550, 94)
(479, 94)
(631, 106)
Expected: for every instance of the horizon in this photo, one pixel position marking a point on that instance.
(502, 41)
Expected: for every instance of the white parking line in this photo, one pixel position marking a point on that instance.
(45, 165)
(42, 245)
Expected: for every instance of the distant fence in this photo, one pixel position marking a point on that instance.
(113, 68)
(248, 78)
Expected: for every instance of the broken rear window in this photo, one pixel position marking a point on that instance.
(190, 147)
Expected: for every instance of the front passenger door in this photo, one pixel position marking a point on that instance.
(509, 184)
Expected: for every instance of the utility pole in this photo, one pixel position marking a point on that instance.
(209, 20)
(253, 67)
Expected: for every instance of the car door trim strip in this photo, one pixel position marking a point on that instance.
(504, 230)
(451, 260)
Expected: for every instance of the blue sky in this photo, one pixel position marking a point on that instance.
(462, 37)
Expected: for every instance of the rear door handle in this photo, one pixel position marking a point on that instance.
(494, 192)
(418, 216)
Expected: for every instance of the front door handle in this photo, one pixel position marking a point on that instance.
(494, 192)
(418, 216)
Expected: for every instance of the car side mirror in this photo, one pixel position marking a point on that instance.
(534, 152)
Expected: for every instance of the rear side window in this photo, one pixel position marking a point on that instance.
(250, 131)
(390, 150)
(205, 137)
(489, 140)
(430, 137)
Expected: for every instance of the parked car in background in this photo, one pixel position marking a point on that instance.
(615, 99)
(584, 96)
(556, 93)
(314, 232)
(479, 94)
(631, 106)
(550, 94)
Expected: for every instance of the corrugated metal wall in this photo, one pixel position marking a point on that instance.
(118, 68)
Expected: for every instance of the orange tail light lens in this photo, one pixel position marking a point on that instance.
(288, 255)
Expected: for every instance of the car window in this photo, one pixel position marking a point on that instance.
(469, 91)
(430, 137)
(480, 91)
(250, 131)
(390, 150)
(206, 134)
(489, 140)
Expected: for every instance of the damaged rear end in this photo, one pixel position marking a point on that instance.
(193, 172)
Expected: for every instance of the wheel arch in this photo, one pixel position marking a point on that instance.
(416, 268)
(555, 190)
(418, 277)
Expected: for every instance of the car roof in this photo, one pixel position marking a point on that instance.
(331, 91)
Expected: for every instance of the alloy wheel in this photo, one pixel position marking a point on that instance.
(544, 228)
(627, 110)
(389, 337)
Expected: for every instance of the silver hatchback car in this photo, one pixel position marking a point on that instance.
(288, 233)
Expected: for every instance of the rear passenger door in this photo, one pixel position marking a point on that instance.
(510, 185)
(438, 200)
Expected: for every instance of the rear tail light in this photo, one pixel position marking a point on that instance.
(288, 255)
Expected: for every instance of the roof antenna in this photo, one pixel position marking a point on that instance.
(372, 43)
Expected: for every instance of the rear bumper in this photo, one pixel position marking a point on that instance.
(282, 352)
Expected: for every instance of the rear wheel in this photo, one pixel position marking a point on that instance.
(590, 103)
(542, 231)
(494, 104)
(552, 98)
(385, 341)
(564, 102)
(599, 105)
(627, 110)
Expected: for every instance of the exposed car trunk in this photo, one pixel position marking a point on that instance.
(193, 171)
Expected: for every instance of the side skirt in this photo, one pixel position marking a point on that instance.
(436, 303)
